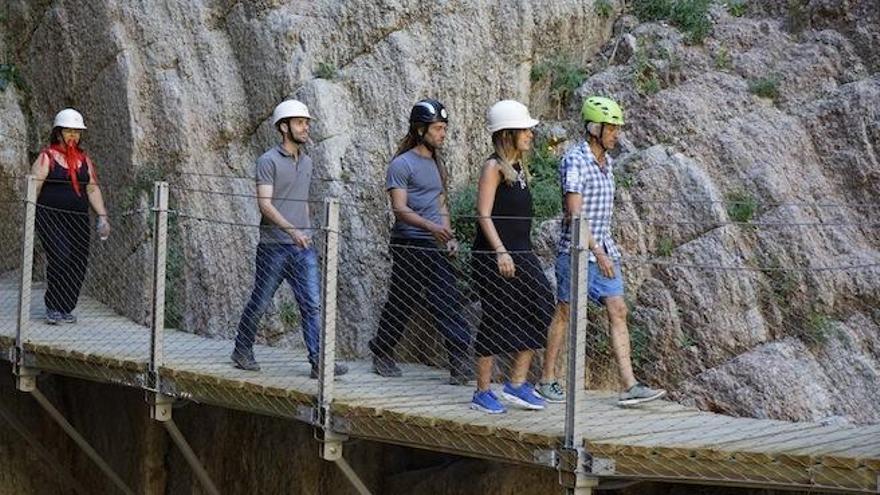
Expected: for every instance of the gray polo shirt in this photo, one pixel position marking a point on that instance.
(421, 179)
(290, 180)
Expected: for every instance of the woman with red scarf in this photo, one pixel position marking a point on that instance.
(67, 185)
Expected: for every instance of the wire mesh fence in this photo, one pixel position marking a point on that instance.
(424, 331)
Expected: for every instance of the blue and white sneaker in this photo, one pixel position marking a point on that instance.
(523, 396)
(487, 402)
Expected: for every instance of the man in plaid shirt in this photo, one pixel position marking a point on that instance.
(587, 179)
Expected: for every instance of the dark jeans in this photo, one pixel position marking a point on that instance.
(418, 265)
(299, 267)
(65, 237)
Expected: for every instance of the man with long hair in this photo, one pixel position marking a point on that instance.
(285, 251)
(587, 177)
(421, 242)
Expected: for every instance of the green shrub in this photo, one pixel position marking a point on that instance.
(603, 8)
(645, 75)
(326, 71)
(289, 315)
(737, 8)
(463, 210)
(9, 74)
(722, 59)
(741, 207)
(817, 329)
(564, 76)
(665, 246)
(689, 16)
(765, 87)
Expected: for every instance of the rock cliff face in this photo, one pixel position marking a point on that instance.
(776, 111)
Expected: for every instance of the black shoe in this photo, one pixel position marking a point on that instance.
(245, 361)
(386, 367)
(338, 370)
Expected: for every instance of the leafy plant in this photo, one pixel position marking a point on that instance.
(722, 59)
(645, 75)
(326, 71)
(737, 8)
(765, 87)
(289, 315)
(689, 16)
(665, 246)
(603, 8)
(741, 207)
(639, 343)
(564, 76)
(817, 329)
(9, 74)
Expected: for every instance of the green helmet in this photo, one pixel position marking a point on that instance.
(602, 111)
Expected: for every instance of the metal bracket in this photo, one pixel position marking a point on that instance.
(546, 457)
(26, 378)
(331, 446)
(306, 414)
(160, 406)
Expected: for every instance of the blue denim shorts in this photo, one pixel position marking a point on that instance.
(600, 286)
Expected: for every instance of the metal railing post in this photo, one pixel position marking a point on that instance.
(160, 406)
(580, 481)
(25, 381)
(327, 360)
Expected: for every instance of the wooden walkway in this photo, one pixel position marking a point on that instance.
(658, 441)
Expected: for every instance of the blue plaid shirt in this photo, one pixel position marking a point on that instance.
(579, 173)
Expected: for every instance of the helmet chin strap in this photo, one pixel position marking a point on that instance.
(599, 136)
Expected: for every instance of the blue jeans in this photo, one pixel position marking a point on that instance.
(299, 267)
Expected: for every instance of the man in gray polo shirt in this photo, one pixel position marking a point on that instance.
(285, 251)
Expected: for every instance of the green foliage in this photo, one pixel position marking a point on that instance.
(603, 8)
(463, 210)
(141, 186)
(689, 16)
(722, 59)
(741, 207)
(563, 74)
(544, 168)
(326, 70)
(624, 180)
(817, 329)
(9, 74)
(639, 345)
(645, 75)
(665, 246)
(765, 87)
(737, 8)
(289, 315)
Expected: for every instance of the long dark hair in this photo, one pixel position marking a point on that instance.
(413, 138)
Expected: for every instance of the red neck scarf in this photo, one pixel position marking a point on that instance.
(74, 157)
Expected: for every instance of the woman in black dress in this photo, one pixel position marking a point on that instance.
(516, 297)
(66, 186)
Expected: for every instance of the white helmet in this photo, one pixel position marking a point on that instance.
(509, 114)
(69, 119)
(288, 109)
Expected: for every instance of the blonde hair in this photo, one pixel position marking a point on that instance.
(504, 142)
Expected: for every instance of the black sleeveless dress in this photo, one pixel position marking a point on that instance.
(516, 311)
(63, 226)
